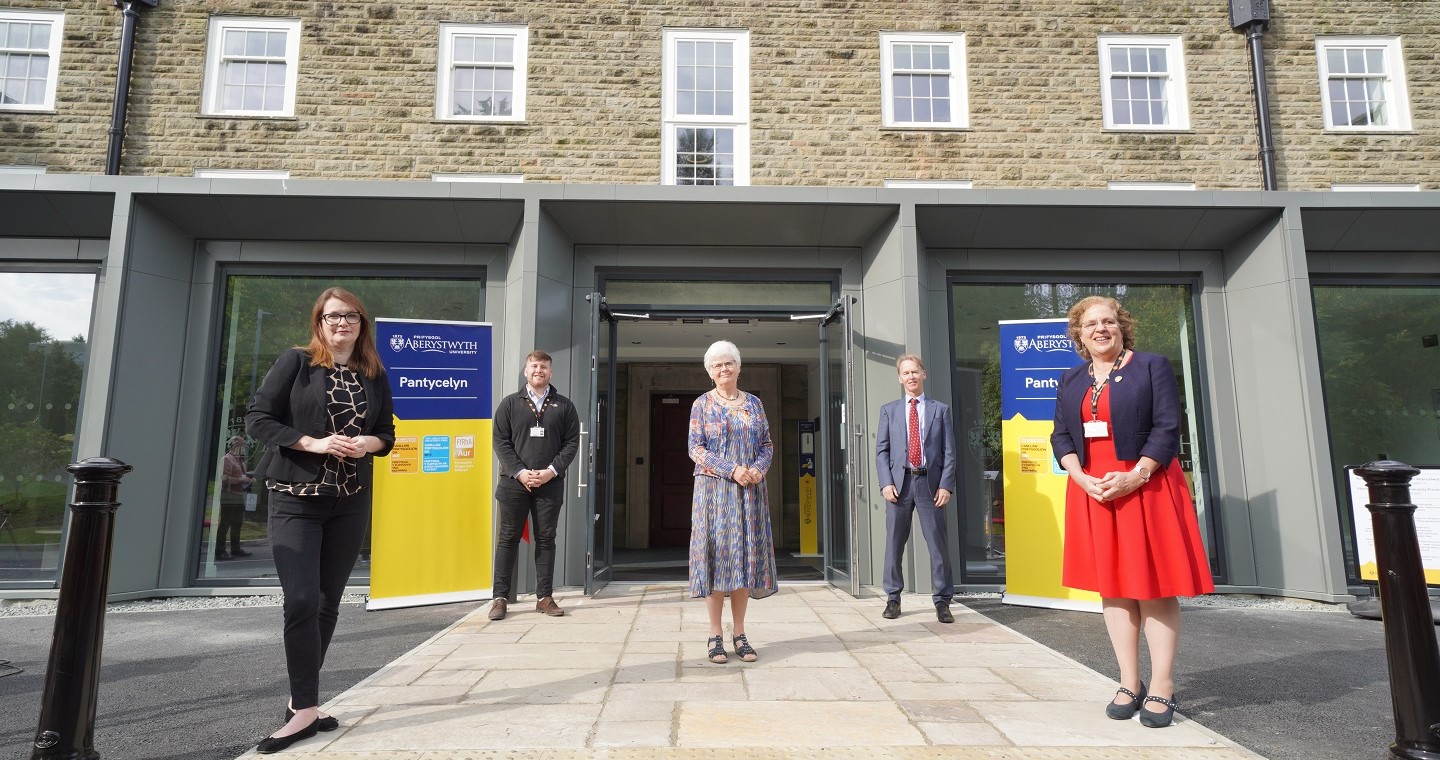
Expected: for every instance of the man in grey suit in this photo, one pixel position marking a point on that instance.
(915, 459)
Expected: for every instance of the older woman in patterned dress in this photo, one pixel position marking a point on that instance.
(731, 549)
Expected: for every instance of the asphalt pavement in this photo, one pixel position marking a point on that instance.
(1286, 684)
(209, 683)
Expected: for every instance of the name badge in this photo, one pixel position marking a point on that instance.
(1096, 429)
(539, 432)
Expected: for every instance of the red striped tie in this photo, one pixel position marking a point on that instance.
(914, 432)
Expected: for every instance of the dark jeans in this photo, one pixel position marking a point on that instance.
(542, 506)
(316, 540)
(232, 514)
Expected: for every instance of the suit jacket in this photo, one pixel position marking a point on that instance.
(892, 443)
(291, 403)
(1144, 410)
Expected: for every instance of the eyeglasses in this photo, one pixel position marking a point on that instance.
(350, 318)
(1107, 323)
(717, 366)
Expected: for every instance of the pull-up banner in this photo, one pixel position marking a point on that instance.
(431, 519)
(1034, 353)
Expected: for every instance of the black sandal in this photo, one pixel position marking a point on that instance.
(717, 650)
(743, 648)
(1150, 719)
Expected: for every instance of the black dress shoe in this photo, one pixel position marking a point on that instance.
(942, 612)
(1150, 719)
(1127, 710)
(238, 553)
(276, 743)
(327, 723)
(892, 610)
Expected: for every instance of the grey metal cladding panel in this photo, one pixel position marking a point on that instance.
(716, 224)
(42, 215)
(1087, 228)
(948, 226)
(1389, 229)
(1220, 227)
(437, 220)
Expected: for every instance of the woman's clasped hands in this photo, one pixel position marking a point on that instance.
(338, 445)
(1111, 486)
(747, 476)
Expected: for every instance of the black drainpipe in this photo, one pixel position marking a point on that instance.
(1253, 18)
(122, 82)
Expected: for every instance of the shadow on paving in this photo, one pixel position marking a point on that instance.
(199, 684)
(1289, 685)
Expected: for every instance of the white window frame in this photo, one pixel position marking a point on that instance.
(738, 121)
(932, 184)
(52, 78)
(1397, 93)
(1148, 186)
(511, 179)
(1177, 94)
(444, 101)
(959, 79)
(21, 169)
(212, 100)
(1379, 187)
(242, 173)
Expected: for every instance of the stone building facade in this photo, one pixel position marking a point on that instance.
(366, 91)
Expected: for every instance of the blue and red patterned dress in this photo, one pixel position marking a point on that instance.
(731, 546)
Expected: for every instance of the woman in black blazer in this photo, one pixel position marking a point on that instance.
(323, 410)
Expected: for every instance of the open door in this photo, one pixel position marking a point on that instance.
(840, 436)
(599, 450)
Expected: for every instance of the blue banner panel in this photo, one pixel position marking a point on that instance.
(1034, 353)
(436, 368)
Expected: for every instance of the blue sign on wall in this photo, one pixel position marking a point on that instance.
(1034, 353)
(436, 368)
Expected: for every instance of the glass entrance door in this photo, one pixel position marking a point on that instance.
(839, 436)
(598, 448)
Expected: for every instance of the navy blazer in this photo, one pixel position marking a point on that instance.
(1144, 410)
(892, 438)
(291, 403)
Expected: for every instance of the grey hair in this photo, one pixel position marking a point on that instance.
(721, 348)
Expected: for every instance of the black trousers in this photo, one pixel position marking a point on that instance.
(316, 540)
(232, 515)
(542, 506)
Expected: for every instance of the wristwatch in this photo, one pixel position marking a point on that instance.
(1142, 472)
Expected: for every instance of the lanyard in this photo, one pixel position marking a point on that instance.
(544, 404)
(1097, 388)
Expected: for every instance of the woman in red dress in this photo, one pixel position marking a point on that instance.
(1130, 528)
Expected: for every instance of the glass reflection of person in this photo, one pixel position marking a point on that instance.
(234, 484)
(1131, 533)
(324, 411)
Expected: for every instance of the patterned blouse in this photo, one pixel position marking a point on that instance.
(345, 401)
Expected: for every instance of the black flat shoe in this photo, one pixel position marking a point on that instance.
(892, 610)
(942, 612)
(1150, 719)
(327, 723)
(1128, 710)
(272, 744)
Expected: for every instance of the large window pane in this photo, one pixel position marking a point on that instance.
(264, 315)
(44, 330)
(1381, 367)
(1165, 324)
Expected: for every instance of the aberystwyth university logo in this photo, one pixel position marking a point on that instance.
(1044, 343)
(433, 344)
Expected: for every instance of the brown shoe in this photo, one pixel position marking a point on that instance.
(548, 606)
(497, 609)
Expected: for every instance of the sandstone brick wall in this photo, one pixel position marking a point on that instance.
(365, 101)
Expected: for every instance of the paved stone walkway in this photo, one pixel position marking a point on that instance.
(624, 676)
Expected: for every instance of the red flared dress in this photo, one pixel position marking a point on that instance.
(1145, 545)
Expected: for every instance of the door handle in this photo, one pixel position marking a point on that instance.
(580, 484)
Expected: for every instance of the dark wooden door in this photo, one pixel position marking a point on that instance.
(672, 478)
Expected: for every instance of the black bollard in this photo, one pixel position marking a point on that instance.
(67, 714)
(1410, 649)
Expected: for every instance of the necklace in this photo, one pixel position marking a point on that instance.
(720, 395)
